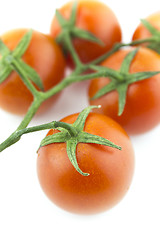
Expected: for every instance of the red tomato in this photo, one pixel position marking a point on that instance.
(45, 56)
(110, 169)
(142, 109)
(96, 18)
(141, 32)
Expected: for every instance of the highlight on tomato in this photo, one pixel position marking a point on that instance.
(130, 92)
(28, 54)
(86, 166)
(149, 30)
(93, 27)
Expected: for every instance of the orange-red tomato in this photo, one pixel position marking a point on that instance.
(110, 170)
(42, 54)
(141, 31)
(96, 18)
(142, 109)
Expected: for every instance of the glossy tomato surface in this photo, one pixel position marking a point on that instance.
(45, 56)
(110, 170)
(141, 31)
(96, 18)
(142, 109)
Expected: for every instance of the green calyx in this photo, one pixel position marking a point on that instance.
(72, 134)
(154, 42)
(121, 79)
(69, 30)
(12, 61)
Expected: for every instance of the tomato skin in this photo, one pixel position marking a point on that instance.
(141, 32)
(110, 170)
(142, 110)
(45, 56)
(94, 17)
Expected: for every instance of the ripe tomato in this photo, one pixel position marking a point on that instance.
(142, 108)
(110, 169)
(96, 18)
(45, 56)
(141, 32)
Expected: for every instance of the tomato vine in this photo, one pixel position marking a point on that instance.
(12, 61)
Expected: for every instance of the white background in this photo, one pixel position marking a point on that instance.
(25, 212)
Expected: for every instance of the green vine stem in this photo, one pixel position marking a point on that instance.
(41, 97)
(21, 130)
(12, 61)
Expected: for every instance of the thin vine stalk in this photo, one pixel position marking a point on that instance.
(76, 76)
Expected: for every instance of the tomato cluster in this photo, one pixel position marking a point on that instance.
(127, 87)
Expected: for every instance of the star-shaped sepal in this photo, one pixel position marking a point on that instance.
(121, 79)
(12, 61)
(73, 134)
(69, 28)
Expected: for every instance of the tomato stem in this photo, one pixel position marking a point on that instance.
(31, 112)
(12, 62)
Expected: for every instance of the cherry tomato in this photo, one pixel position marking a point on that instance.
(142, 109)
(96, 18)
(42, 54)
(141, 32)
(110, 170)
